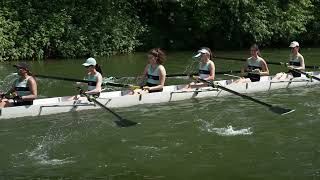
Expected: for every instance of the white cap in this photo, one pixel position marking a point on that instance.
(90, 62)
(294, 44)
(201, 51)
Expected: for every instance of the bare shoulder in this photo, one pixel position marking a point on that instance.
(300, 56)
(32, 81)
(100, 75)
(262, 60)
(162, 69)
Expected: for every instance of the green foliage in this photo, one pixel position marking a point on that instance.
(8, 33)
(33, 29)
(228, 23)
(56, 28)
(312, 35)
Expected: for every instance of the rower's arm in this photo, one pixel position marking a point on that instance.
(265, 69)
(302, 65)
(212, 72)
(33, 88)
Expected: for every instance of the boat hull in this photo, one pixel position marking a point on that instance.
(115, 99)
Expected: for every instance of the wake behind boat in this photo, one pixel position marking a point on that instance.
(116, 99)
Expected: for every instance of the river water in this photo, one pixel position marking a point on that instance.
(212, 138)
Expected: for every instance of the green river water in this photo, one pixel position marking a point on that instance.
(205, 139)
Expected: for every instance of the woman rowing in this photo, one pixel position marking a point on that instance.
(296, 61)
(23, 90)
(154, 72)
(255, 66)
(94, 78)
(206, 67)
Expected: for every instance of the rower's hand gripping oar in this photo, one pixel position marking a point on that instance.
(121, 122)
(275, 109)
(268, 62)
(301, 72)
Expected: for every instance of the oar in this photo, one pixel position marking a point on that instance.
(231, 75)
(86, 81)
(195, 73)
(120, 122)
(268, 62)
(275, 109)
(307, 75)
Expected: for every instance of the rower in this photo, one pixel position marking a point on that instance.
(154, 72)
(23, 90)
(296, 61)
(94, 78)
(255, 66)
(206, 68)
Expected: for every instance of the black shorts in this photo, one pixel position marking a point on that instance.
(294, 73)
(253, 77)
(152, 85)
(22, 103)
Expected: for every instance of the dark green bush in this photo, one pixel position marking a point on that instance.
(56, 28)
(33, 29)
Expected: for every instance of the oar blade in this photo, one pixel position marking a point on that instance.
(280, 110)
(125, 123)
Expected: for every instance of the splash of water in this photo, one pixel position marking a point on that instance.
(228, 131)
(6, 83)
(41, 153)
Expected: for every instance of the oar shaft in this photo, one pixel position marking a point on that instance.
(237, 93)
(268, 62)
(278, 110)
(62, 78)
(195, 73)
(307, 75)
(121, 121)
(244, 60)
(181, 74)
(242, 95)
(230, 75)
(85, 81)
(103, 106)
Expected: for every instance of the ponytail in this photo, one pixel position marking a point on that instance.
(98, 68)
(29, 73)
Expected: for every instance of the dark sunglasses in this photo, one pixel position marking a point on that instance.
(19, 68)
